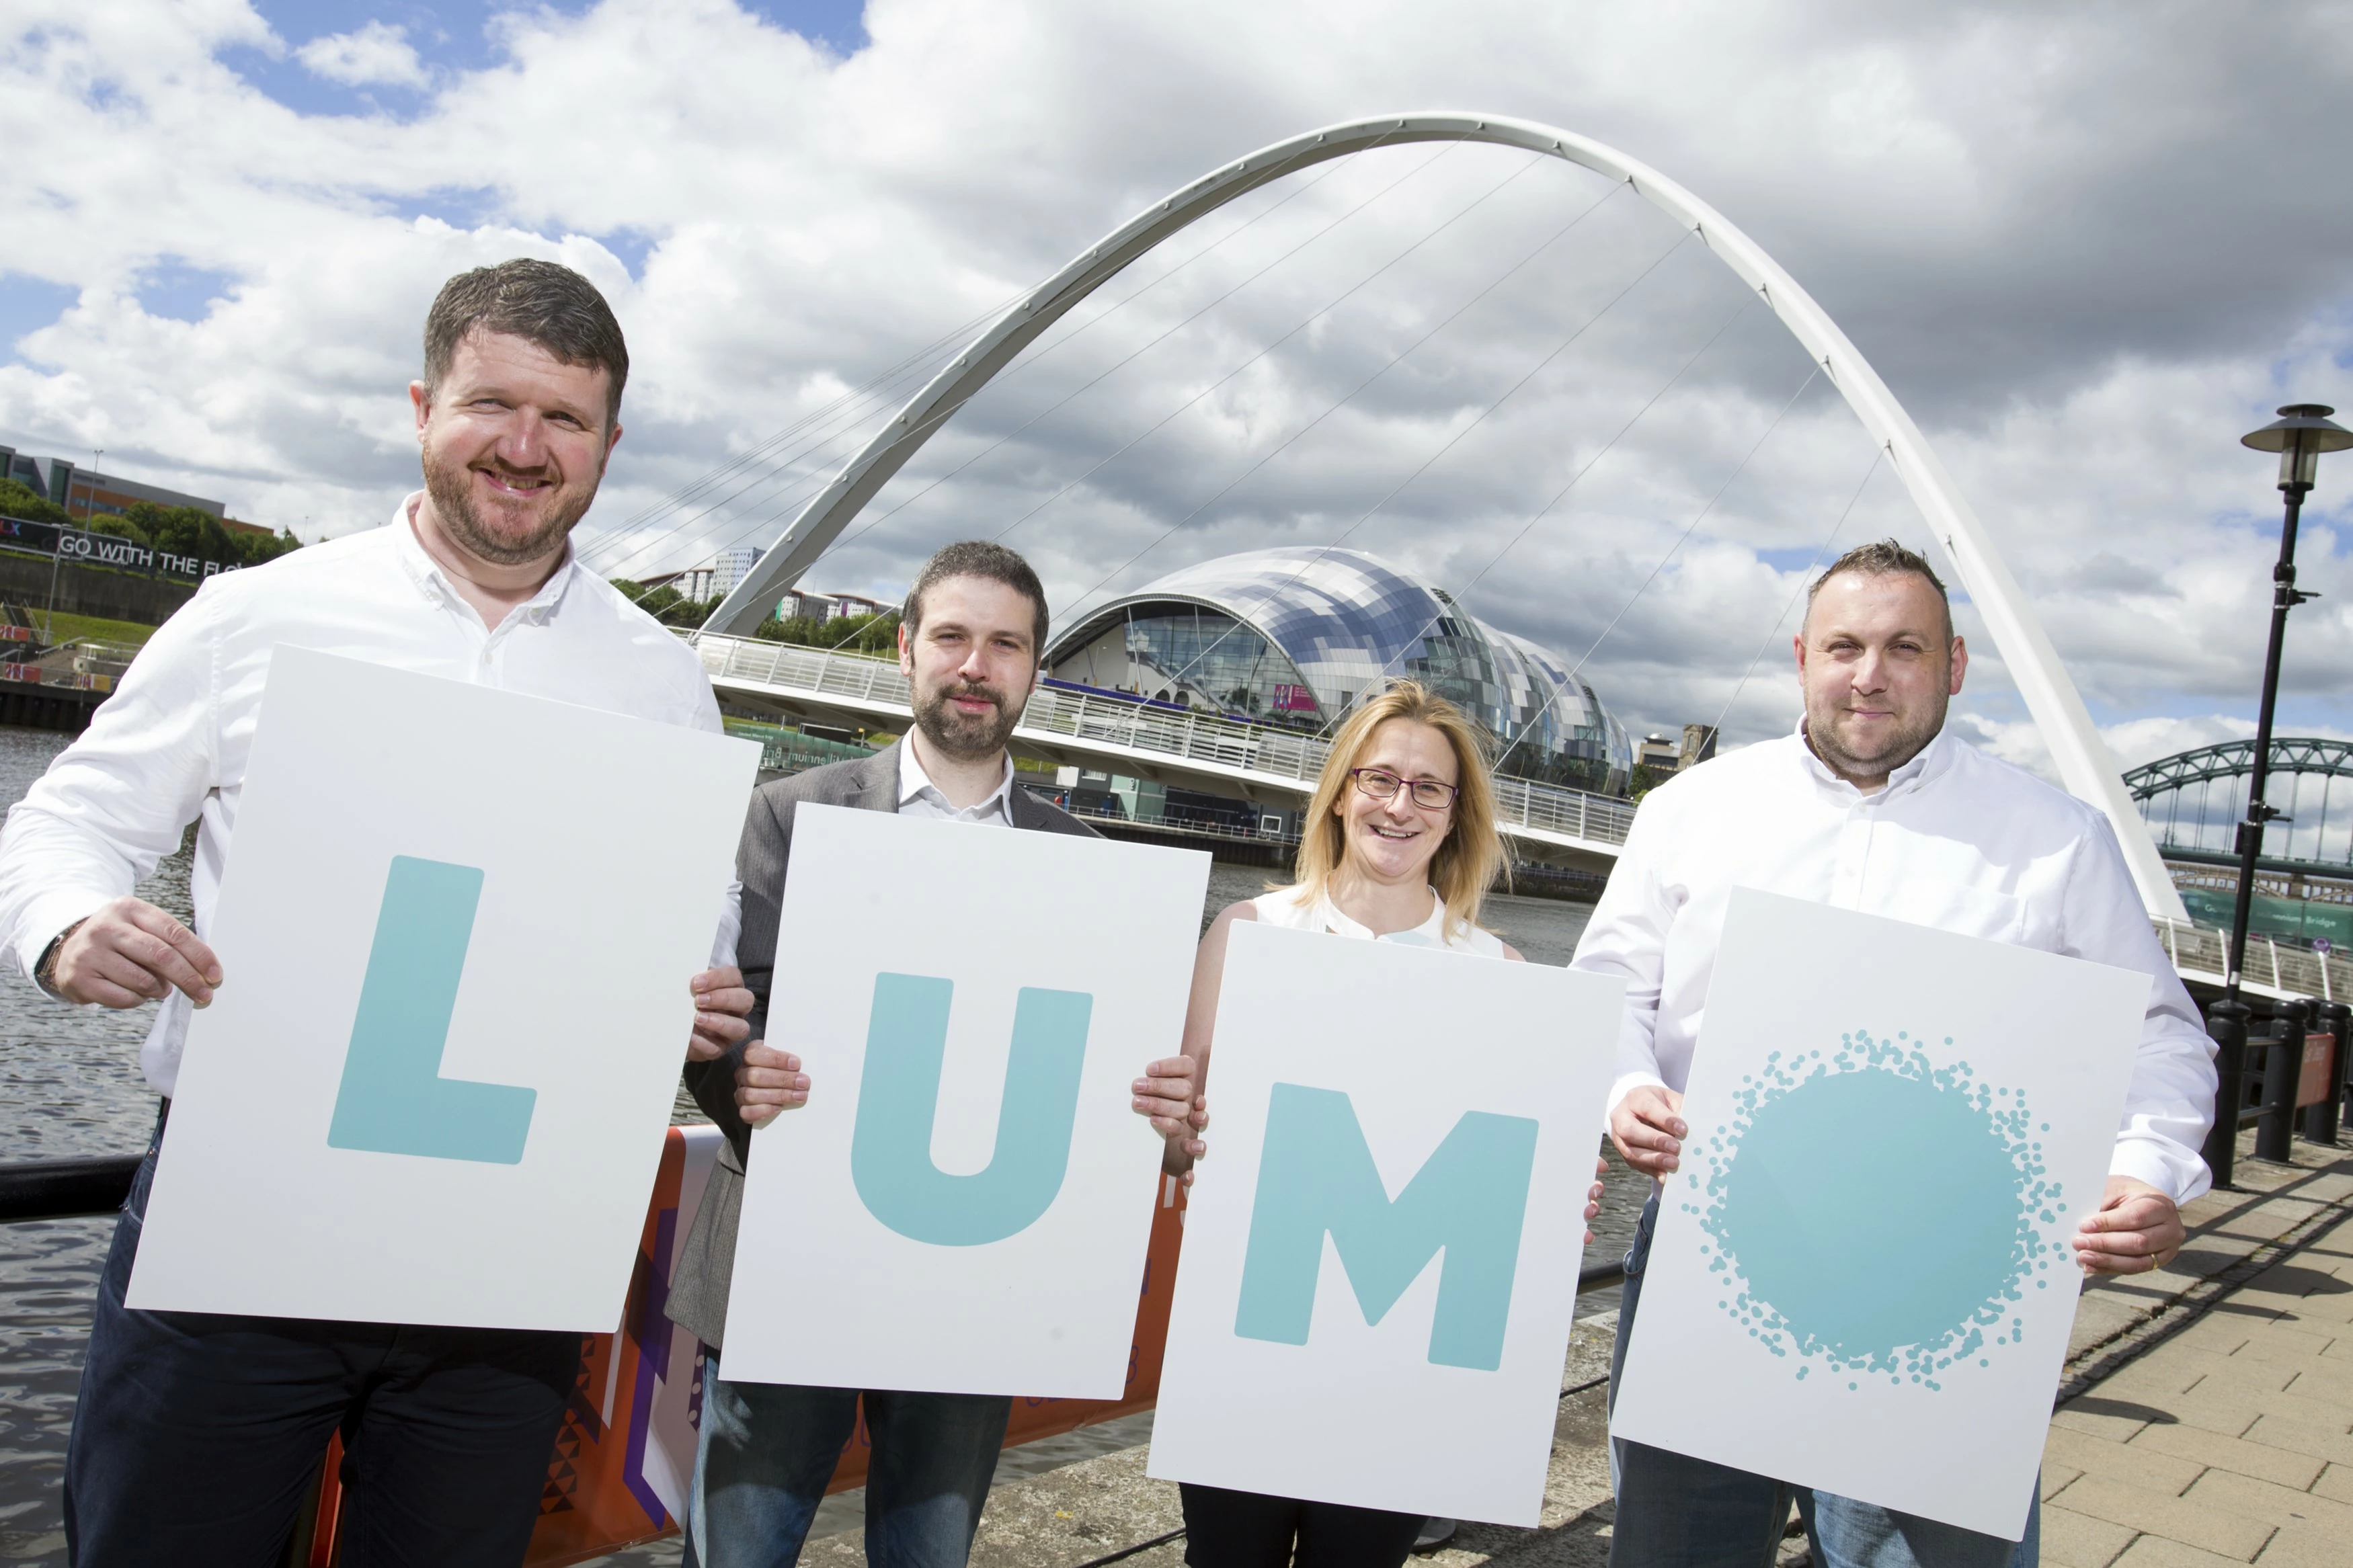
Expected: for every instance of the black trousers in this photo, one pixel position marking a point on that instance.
(1249, 1530)
(196, 1436)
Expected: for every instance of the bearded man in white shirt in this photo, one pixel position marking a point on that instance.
(1872, 806)
(196, 1436)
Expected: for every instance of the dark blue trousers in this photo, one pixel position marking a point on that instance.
(196, 1436)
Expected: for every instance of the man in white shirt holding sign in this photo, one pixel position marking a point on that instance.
(1872, 806)
(196, 1436)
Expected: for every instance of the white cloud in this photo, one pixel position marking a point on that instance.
(2087, 248)
(375, 56)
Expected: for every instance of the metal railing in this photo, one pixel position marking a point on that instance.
(2294, 970)
(1224, 744)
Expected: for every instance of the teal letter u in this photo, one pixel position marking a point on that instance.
(899, 1096)
(394, 1099)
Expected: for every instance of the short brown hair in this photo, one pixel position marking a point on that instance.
(538, 301)
(983, 559)
(1885, 558)
(1468, 862)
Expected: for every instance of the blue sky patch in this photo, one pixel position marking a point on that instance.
(29, 304)
(172, 288)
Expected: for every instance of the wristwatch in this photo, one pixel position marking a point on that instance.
(45, 972)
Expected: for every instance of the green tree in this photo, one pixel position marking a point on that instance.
(19, 500)
(874, 634)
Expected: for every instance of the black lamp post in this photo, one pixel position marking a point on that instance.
(2299, 435)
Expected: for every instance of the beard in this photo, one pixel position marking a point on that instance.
(967, 737)
(1902, 742)
(453, 502)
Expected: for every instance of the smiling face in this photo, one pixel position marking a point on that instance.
(972, 663)
(1393, 841)
(1879, 665)
(514, 443)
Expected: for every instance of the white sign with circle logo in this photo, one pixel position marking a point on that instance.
(1861, 1279)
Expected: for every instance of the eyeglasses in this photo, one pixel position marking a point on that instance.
(1382, 784)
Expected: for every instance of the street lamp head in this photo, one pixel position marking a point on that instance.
(2299, 435)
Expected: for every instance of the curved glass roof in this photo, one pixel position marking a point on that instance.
(1347, 621)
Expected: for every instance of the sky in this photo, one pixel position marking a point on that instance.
(2086, 246)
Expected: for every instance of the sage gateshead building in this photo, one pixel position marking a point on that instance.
(1295, 637)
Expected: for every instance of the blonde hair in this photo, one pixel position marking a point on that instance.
(1472, 855)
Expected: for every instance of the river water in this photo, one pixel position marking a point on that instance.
(69, 1084)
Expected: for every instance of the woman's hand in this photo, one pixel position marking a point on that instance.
(1167, 1095)
(1593, 1198)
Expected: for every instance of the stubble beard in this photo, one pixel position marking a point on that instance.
(453, 504)
(964, 738)
(1906, 743)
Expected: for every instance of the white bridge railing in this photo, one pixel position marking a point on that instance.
(2287, 971)
(1222, 744)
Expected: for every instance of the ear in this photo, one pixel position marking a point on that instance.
(422, 402)
(906, 653)
(1960, 665)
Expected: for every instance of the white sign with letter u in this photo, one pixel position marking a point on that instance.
(963, 1205)
(1381, 1250)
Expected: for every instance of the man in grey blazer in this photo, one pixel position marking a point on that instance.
(970, 640)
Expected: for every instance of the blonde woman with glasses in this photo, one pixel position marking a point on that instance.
(1399, 846)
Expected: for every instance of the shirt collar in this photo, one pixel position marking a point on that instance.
(913, 781)
(1933, 759)
(1430, 932)
(434, 583)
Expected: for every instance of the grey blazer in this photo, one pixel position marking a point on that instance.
(698, 1298)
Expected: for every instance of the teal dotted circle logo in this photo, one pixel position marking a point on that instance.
(1872, 1214)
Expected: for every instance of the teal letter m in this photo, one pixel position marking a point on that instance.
(1317, 1175)
(899, 1095)
(394, 1099)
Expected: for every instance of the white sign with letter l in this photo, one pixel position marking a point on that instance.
(455, 930)
(1381, 1249)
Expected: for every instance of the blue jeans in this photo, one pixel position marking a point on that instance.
(197, 1435)
(766, 1450)
(1675, 1511)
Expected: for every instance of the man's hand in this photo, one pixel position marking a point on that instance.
(2135, 1230)
(1167, 1095)
(769, 1083)
(1593, 1198)
(130, 952)
(1649, 1134)
(721, 1006)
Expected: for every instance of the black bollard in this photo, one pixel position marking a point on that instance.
(2283, 1069)
(2226, 1023)
(2321, 1121)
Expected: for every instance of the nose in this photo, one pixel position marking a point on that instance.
(523, 443)
(1871, 671)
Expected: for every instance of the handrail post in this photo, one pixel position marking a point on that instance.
(2226, 1025)
(2283, 1070)
(2321, 1121)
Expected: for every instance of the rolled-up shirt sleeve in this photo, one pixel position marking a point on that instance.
(1627, 937)
(2170, 1102)
(118, 799)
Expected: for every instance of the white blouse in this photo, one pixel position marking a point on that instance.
(1284, 907)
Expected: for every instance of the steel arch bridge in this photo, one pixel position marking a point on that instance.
(2083, 760)
(2173, 779)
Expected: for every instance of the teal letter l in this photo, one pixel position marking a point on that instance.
(899, 1095)
(1316, 1174)
(394, 1099)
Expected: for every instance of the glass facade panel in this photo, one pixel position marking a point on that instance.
(1293, 637)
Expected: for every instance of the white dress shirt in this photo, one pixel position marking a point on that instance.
(1955, 840)
(919, 796)
(170, 745)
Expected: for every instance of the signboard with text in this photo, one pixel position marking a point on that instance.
(456, 927)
